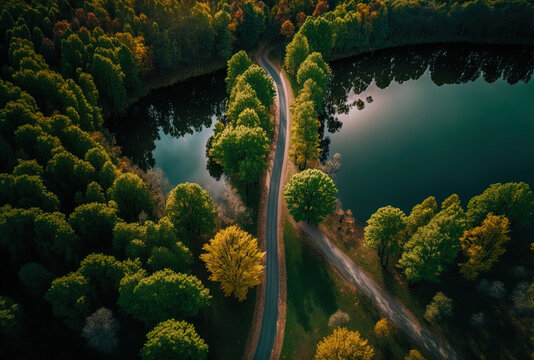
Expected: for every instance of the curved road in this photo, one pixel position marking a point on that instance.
(387, 304)
(270, 309)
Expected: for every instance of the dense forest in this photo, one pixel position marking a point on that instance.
(91, 243)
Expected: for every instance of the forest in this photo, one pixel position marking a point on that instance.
(93, 242)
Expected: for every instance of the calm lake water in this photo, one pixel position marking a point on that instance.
(440, 120)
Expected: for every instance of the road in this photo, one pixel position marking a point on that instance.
(390, 307)
(270, 309)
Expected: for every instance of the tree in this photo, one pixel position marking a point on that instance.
(383, 328)
(304, 133)
(162, 295)
(439, 308)
(173, 339)
(434, 245)
(515, 201)
(344, 344)
(296, 52)
(310, 195)
(414, 355)
(234, 259)
(131, 195)
(384, 231)
(337, 319)
(177, 258)
(319, 32)
(191, 209)
(28, 167)
(10, 316)
(242, 152)
(94, 223)
(36, 278)
(251, 27)
(421, 215)
(101, 330)
(223, 36)
(261, 83)
(320, 8)
(483, 245)
(309, 69)
(237, 65)
(248, 118)
(132, 82)
(287, 29)
(244, 97)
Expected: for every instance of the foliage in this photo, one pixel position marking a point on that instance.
(10, 316)
(177, 258)
(310, 195)
(191, 209)
(36, 278)
(296, 52)
(515, 201)
(304, 133)
(483, 245)
(162, 295)
(414, 355)
(234, 259)
(384, 231)
(383, 328)
(344, 344)
(131, 195)
(173, 339)
(337, 319)
(237, 65)
(100, 331)
(439, 308)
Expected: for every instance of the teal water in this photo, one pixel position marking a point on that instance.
(417, 138)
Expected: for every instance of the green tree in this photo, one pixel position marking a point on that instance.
(261, 83)
(237, 65)
(304, 133)
(28, 167)
(173, 339)
(439, 308)
(296, 52)
(162, 295)
(421, 215)
(10, 317)
(244, 97)
(177, 258)
(344, 344)
(515, 201)
(242, 152)
(483, 245)
(434, 245)
(248, 118)
(234, 259)
(223, 36)
(191, 209)
(313, 69)
(132, 83)
(310, 195)
(131, 195)
(384, 231)
(94, 223)
(36, 278)
(250, 29)
(319, 33)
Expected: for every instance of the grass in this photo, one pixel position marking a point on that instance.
(314, 292)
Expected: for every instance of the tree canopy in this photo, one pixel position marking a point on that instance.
(344, 344)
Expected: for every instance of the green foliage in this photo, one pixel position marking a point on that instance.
(384, 231)
(319, 33)
(173, 339)
(28, 167)
(191, 209)
(10, 317)
(434, 246)
(439, 308)
(316, 69)
(131, 195)
(244, 97)
(178, 258)
(237, 65)
(310, 195)
(36, 278)
(26, 191)
(296, 52)
(162, 295)
(304, 133)
(251, 28)
(421, 215)
(248, 118)
(261, 83)
(515, 201)
(94, 223)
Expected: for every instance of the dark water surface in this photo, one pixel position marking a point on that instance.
(440, 121)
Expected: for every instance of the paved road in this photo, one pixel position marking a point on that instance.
(387, 304)
(270, 310)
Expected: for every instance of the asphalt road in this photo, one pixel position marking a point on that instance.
(390, 307)
(270, 309)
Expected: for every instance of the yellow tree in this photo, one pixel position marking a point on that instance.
(344, 344)
(414, 355)
(483, 245)
(234, 259)
(383, 328)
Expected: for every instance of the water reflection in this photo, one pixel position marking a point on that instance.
(185, 108)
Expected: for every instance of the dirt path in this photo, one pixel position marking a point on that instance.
(387, 304)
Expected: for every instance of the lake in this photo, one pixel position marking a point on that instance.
(435, 121)
(439, 120)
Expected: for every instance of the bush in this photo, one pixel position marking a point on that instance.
(337, 319)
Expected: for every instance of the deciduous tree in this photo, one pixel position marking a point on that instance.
(384, 231)
(344, 344)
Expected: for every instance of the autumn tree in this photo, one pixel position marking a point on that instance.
(234, 259)
(310, 195)
(296, 52)
(344, 344)
(483, 245)
(191, 209)
(162, 295)
(383, 328)
(384, 231)
(320, 8)
(515, 201)
(287, 29)
(173, 339)
(131, 195)
(414, 355)
(251, 27)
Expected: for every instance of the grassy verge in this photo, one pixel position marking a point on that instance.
(316, 291)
